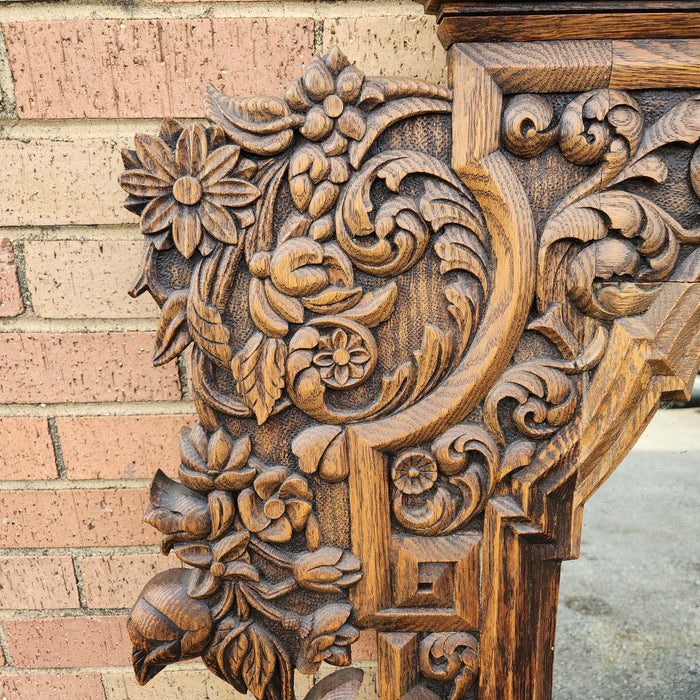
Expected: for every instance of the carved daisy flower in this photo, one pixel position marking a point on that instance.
(414, 472)
(342, 357)
(190, 188)
(277, 505)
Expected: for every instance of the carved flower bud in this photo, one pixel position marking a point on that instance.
(166, 625)
(327, 570)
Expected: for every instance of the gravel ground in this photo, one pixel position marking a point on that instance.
(629, 608)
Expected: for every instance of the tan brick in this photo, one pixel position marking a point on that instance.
(69, 642)
(53, 368)
(115, 581)
(404, 46)
(86, 279)
(149, 68)
(62, 182)
(121, 447)
(11, 303)
(37, 583)
(26, 451)
(75, 518)
(54, 686)
(192, 680)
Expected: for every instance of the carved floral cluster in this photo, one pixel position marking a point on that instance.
(230, 512)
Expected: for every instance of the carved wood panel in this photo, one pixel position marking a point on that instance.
(423, 327)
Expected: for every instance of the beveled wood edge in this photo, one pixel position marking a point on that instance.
(574, 66)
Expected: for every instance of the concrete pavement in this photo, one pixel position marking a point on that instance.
(629, 608)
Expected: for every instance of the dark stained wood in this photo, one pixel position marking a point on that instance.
(425, 326)
(554, 27)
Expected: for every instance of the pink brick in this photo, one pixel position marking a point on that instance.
(62, 182)
(11, 303)
(54, 686)
(115, 581)
(75, 518)
(121, 447)
(37, 583)
(26, 451)
(365, 648)
(149, 68)
(53, 368)
(69, 642)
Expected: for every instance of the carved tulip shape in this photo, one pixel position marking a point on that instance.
(166, 625)
(327, 570)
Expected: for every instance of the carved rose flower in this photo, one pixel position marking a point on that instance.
(329, 639)
(181, 514)
(277, 505)
(414, 472)
(226, 559)
(191, 188)
(341, 357)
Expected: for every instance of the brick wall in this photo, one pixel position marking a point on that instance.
(85, 420)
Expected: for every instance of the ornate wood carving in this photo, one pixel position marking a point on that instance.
(424, 326)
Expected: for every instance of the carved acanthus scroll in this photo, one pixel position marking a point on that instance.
(390, 364)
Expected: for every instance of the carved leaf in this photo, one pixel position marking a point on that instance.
(259, 664)
(322, 448)
(262, 313)
(172, 336)
(432, 360)
(460, 249)
(260, 125)
(680, 123)
(259, 373)
(463, 305)
(374, 307)
(204, 320)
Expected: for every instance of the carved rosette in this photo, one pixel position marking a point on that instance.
(429, 348)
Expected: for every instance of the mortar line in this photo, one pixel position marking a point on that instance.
(7, 83)
(127, 550)
(79, 583)
(59, 233)
(37, 324)
(136, 9)
(98, 408)
(50, 613)
(21, 268)
(64, 484)
(5, 647)
(57, 449)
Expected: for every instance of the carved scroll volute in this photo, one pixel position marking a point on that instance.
(508, 217)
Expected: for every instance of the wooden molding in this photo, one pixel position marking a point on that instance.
(425, 326)
(554, 21)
